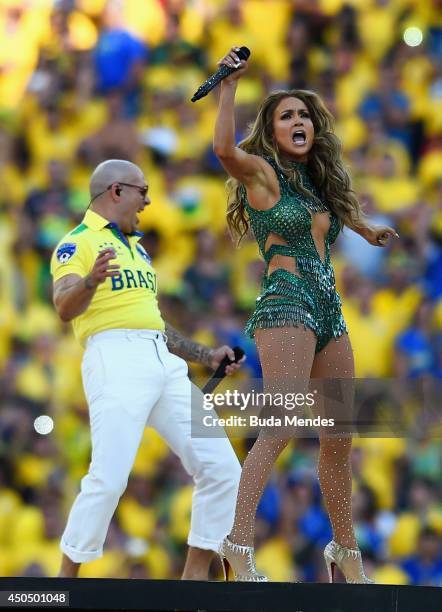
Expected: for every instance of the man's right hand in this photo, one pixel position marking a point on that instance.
(102, 269)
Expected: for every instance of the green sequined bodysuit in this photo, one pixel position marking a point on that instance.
(308, 297)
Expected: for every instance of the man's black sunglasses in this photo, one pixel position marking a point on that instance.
(142, 190)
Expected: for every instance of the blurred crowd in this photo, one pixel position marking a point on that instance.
(86, 80)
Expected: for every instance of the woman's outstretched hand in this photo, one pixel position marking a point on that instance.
(379, 235)
(232, 60)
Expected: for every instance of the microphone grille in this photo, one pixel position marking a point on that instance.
(244, 53)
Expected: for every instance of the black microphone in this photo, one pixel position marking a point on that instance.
(222, 72)
(220, 371)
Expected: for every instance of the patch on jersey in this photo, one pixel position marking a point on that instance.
(65, 252)
(144, 255)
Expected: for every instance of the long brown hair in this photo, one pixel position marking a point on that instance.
(325, 164)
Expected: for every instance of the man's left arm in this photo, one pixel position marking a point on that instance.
(194, 351)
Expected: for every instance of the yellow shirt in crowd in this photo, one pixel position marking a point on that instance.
(126, 301)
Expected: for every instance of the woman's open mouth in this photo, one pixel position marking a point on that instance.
(299, 138)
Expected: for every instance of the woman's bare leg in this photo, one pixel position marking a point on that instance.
(330, 366)
(286, 356)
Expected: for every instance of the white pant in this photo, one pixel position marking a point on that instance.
(132, 381)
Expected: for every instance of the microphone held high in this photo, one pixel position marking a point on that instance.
(216, 78)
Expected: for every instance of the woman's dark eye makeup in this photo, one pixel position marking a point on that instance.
(289, 114)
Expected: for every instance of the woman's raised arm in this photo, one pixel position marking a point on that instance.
(245, 167)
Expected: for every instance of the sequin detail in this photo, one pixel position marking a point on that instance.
(308, 298)
(288, 363)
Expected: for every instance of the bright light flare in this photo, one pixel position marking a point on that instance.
(43, 424)
(413, 36)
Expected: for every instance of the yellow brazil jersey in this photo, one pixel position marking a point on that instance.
(126, 301)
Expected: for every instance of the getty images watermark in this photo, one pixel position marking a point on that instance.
(283, 404)
(366, 407)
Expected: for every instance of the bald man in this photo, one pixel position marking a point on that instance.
(134, 374)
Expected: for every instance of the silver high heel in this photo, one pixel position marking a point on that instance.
(242, 561)
(348, 560)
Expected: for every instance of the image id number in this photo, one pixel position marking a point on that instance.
(38, 598)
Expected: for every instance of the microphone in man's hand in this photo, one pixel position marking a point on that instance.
(222, 72)
(220, 371)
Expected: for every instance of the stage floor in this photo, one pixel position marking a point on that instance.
(111, 594)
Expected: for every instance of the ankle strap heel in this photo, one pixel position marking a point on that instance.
(348, 560)
(242, 561)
